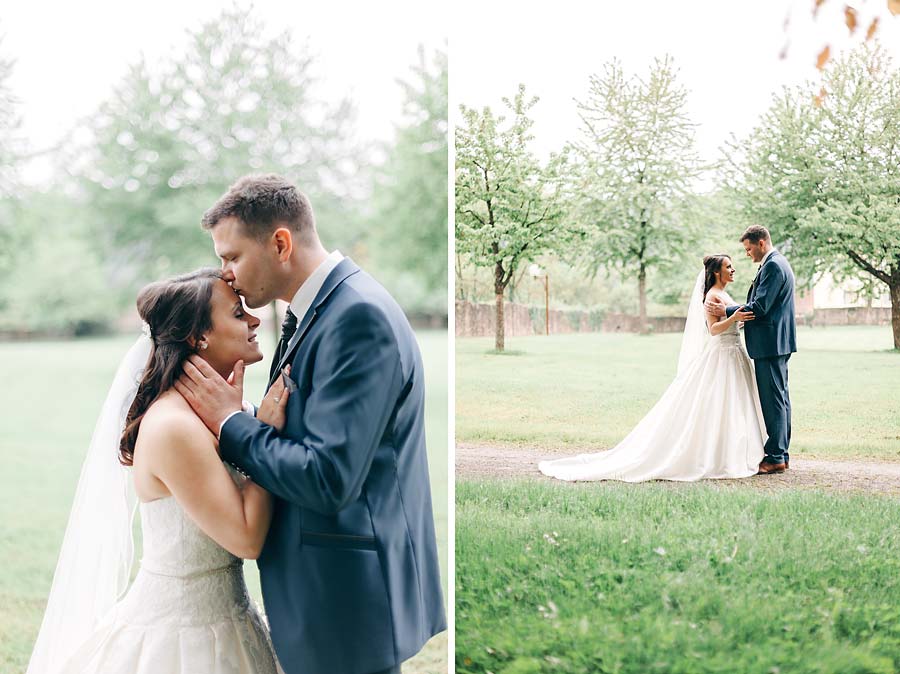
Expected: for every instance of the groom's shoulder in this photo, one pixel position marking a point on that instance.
(362, 289)
(362, 297)
(782, 262)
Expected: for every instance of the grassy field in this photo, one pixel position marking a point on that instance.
(686, 578)
(648, 578)
(51, 395)
(586, 391)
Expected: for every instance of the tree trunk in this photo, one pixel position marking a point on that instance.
(642, 299)
(498, 334)
(895, 308)
(498, 298)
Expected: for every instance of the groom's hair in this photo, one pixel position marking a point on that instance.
(755, 234)
(263, 203)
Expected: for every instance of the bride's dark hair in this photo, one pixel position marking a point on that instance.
(712, 264)
(179, 312)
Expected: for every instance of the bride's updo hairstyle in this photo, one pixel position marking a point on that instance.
(713, 265)
(179, 312)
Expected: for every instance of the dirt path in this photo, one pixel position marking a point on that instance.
(831, 475)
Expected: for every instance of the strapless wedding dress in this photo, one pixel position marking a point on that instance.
(187, 611)
(708, 424)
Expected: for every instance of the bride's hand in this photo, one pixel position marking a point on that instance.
(272, 409)
(743, 315)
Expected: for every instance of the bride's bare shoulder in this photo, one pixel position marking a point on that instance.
(170, 423)
(714, 293)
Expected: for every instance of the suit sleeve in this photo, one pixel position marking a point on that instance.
(323, 462)
(771, 280)
(730, 310)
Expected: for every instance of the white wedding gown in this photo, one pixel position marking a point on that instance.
(708, 424)
(187, 612)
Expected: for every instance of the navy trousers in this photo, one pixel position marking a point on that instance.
(772, 381)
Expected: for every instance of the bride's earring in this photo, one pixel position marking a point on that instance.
(204, 345)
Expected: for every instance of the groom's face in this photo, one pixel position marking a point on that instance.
(248, 265)
(754, 250)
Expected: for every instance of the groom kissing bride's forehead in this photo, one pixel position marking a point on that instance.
(349, 571)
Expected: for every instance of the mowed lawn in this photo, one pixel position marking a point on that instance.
(636, 579)
(673, 578)
(586, 391)
(50, 394)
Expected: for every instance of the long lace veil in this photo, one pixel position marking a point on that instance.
(97, 553)
(696, 333)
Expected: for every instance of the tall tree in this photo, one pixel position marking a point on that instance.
(410, 194)
(10, 156)
(637, 164)
(172, 138)
(509, 207)
(822, 171)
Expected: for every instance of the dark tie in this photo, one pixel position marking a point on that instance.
(288, 328)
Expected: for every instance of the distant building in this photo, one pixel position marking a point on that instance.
(830, 294)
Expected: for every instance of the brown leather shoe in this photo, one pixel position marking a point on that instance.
(766, 468)
(787, 465)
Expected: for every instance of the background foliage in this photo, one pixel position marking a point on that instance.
(135, 177)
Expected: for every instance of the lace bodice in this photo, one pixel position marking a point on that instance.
(185, 577)
(731, 336)
(174, 545)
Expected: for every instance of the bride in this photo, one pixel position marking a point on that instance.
(188, 609)
(708, 423)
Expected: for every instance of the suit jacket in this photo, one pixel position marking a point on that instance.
(349, 570)
(773, 331)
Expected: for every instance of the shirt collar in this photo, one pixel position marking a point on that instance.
(307, 292)
(768, 255)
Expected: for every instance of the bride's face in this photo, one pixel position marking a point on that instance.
(233, 335)
(726, 272)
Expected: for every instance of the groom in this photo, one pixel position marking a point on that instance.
(771, 339)
(349, 570)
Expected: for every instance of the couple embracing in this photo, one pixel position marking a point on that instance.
(724, 416)
(325, 482)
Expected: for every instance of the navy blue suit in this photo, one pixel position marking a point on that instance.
(771, 339)
(349, 571)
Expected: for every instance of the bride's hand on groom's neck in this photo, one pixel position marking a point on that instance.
(211, 397)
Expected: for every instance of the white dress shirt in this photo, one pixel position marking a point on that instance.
(308, 290)
(301, 304)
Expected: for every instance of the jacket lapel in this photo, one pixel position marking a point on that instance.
(752, 290)
(338, 275)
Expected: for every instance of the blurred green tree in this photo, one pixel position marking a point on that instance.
(410, 193)
(172, 138)
(509, 208)
(10, 157)
(822, 172)
(636, 169)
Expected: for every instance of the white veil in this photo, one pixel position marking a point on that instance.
(696, 333)
(97, 553)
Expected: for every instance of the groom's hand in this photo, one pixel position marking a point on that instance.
(715, 306)
(211, 397)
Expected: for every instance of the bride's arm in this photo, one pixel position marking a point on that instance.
(717, 327)
(186, 461)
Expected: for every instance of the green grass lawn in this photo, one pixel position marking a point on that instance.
(51, 393)
(686, 578)
(648, 578)
(586, 391)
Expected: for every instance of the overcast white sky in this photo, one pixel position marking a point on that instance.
(69, 55)
(727, 53)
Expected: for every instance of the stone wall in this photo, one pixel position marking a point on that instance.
(477, 320)
(847, 316)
